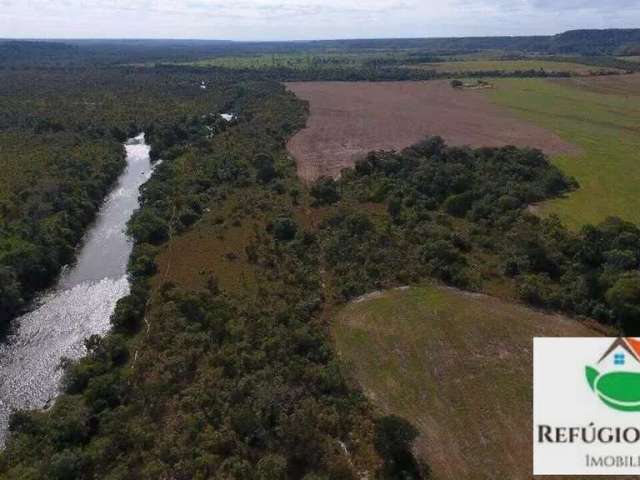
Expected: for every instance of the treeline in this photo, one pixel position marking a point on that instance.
(19, 53)
(580, 42)
(83, 53)
(600, 61)
(461, 216)
(370, 72)
(323, 73)
(612, 41)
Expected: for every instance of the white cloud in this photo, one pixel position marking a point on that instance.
(303, 19)
(598, 5)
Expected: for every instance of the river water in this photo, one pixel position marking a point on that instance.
(80, 304)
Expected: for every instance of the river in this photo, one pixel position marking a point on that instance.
(79, 305)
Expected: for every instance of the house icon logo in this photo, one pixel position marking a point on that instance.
(587, 427)
(616, 377)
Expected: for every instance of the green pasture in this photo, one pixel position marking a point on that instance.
(458, 366)
(513, 66)
(605, 127)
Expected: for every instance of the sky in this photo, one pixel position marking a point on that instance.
(307, 19)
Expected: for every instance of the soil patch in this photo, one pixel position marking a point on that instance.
(348, 120)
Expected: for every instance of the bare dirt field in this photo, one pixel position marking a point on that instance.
(348, 120)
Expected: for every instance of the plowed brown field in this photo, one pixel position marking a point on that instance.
(348, 120)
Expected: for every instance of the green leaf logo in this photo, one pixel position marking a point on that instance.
(618, 388)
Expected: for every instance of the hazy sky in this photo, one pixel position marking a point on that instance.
(306, 19)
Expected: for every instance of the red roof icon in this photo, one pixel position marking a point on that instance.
(630, 345)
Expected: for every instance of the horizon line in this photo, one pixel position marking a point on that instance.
(223, 40)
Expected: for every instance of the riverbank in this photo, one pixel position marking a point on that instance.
(46, 206)
(79, 305)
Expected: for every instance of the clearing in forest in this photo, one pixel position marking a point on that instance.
(348, 120)
(484, 65)
(456, 365)
(601, 115)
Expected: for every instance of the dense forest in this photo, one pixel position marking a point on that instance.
(206, 384)
(61, 136)
(219, 378)
(119, 52)
(461, 216)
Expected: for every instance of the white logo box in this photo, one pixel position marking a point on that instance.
(568, 414)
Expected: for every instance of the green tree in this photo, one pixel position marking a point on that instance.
(148, 227)
(458, 205)
(265, 168)
(10, 299)
(624, 299)
(393, 439)
(272, 467)
(284, 229)
(325, 191)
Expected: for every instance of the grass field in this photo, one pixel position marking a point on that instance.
(298, 61)
(458, 366)
(216, 247)
(346, 60)
(600, 115)
(635, 58)
(512, 66)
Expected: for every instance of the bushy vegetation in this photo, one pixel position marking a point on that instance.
(393, 439)
(44, 211)
(434, 194)
(591, 273)
(61, 134)
(210, 383)
(454, 209)
(215, 383)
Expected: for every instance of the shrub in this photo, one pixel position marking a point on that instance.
(393, 439)
(10, 298)
(458, 205)
(66, 465)
(284, 229)
(272, 467)
(444, 261)
(624, 299)
(265, 168)
(325, 191)
(148, 227)
(535, 289)
(128, 313)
